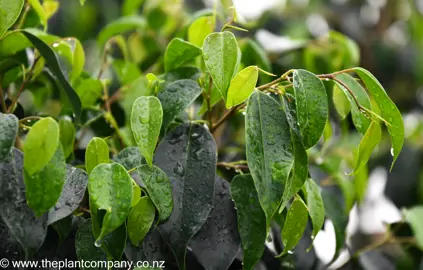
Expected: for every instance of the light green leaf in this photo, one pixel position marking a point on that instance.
(126, 71)
(78, 58)
(159, 189)
(200, 29)
(312, 106)
(136, 194)
(221, 56)
(341, 101)
(414, 216)
(9, 13)
(251, 219)
(389, 111)
(146, 121)
(120, 26)
(67, 135)
(140, 219)
(179, 53)
(89, 91)
(9, 126)
(130, 7)
(82, 2)
(368, 143)
(315, 206)
(38, 8)
(110, 189)
(97, 152)
(242, 85)
(40, 144)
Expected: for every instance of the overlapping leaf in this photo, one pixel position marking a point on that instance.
(9, 125)
(242, 85)
(179, 53)
(97, 152)
(140, 219)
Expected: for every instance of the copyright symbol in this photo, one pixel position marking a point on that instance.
(4, 263)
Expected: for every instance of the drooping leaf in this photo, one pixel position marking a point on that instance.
(71, 196)
(216, 244)
(251, 219)
(43, 187)
(179, 53)
(40, 144)
(242, 85)
(388, 109)
(9, 13)
(221, 56)
(312, 106)
(146, 121)
(414, 216)
(341, 101)
(53, 64)
(130, 157)
(140, 219)
(175, 97)
(295, 224)
(9, 125)
(368, 143)
(199, 29)
(29, 230)
(315, 206)
(119, 26)
(67, 135)
(159, 189)
(97, 152)
(110, 189)
(188, 157)
(269, 150)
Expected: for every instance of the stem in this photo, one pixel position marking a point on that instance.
(2, 99)
(29, 118)
(232, 165)
(226, 116)
(278, 80)
(23, 18)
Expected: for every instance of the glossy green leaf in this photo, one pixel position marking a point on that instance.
(242, 85)
(130, 157)
(188, 157)
(78, 58)
(54, 66)
(140, 219)
(120, 26)
(110, 189)
(136, 194)
(312, 106)
(179, 53)
(40, 144)
(159, 189)
(269, 150)
(67, 135)
(414, 216)
(388, 109)
(9, 13)
(295, 224)
(89, 91)
(97, 152)
(175, 97)
(341, 101)
(146, 121)
(251, 219)
(41, 195)
(114, 244)
(315, 205)
(199, 29)
(368, 143)
(9, 126)
(221, 56)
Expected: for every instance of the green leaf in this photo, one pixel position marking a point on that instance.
(120, 26)
(130, 7)
(312, 106)
(136, 194)
(110, 189)
(315, 205)
(221, 56)
(114, 243)
(82, 2)
(40, 144)
(217, 243)
(140, 219)
(175, 97)
(199, 29)
(242, 85)
(63, 228)
(53, 64)
(159, 189)
(78, 58)
(146, 121)
(414, 216)
(269, 150)
(152, 248)
(9, 126)
(130, 157)
(9, 13)
(389, 111)
(67, 135)
(188, 157)
(38, 8)
(127, 72)
(97, 152)
(341, 101)
(368, 143)
(179, 53)
(251, 219)
(295, 224)
(89, 91)
(361, 122)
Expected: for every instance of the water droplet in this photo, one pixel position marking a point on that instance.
(98, 243)
(392, 151)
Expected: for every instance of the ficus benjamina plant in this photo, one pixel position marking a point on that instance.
(131, 165)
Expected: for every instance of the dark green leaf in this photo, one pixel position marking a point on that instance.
(242, 85)
(140, 219)
(312, 106)
(152, 248)
(179, 53)
(251, 219)
(97, 152)
(188, 156)
(114, 243)
(130, 157)
(119, 26)
(67, 135)
(9, 13)
(63, 228)
(368, 143)
(315, 206)
(9, 126)
(414, 216)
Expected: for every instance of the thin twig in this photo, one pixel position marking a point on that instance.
(232, 165)
(226, 116)
(23, 17)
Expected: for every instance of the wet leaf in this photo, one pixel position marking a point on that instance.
(136, 194)
(119, 26)
(179, 53)
(368, 143)
(242, 85)
(9, 13)
(315, 205)
(312, 106)
(200, 29)
(67, 135)
(130, 157)
(146, 121)
(221, 56)
(9, 126)
(251, 219)
(97, 152)
(114, 243)
(216, 244)
(152, 248)
(341, 101)
(140, 219)
(159, 189)
(63, 228)
(188, 157)
(414, 216)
